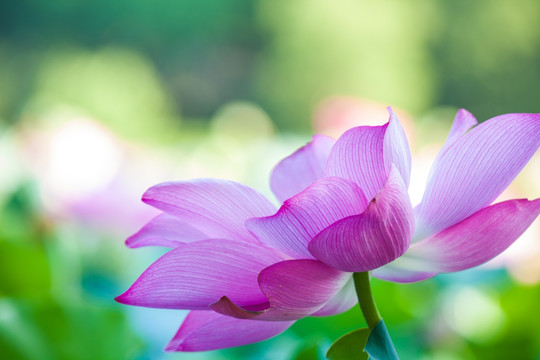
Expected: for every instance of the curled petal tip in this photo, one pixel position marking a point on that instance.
(121, 299)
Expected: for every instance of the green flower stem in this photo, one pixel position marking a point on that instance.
(365, 299)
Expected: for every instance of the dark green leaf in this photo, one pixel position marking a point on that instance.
(349, 346)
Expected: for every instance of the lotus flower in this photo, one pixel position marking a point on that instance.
(248, 270)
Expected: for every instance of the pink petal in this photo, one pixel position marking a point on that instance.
(296, 172)
(217, 208)
(463, 122)
(303, 216)
(475, 169)
(342, 301)
(396, 149)
(207, 330)
(295, 289)
(477, 239)
(165, 230)
(372, 239)
(365, 155)
(194, 275)
(400, 271)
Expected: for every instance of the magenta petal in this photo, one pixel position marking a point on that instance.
(194, 275)
(297, 171)
(303, 216)
(295, 289)
(218, 208)
(477, 239)
(165, 230)
(207, 330)
(372, 239)
(475, 169)
(365, 155)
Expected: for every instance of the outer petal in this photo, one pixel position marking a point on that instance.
(475, 169)
(463, 122)
(165, 230)
(396, 149)
(372, 239)
(218, 208)
(402, 270)
(365, 155)
(342, 301)
(477, 239)
(303, 216)
(296, 172)
(207, 330)
(194, 275)
(294, 288)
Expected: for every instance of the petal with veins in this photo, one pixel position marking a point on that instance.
(208, 330)
(297, 171)
(365, 155)
(217, 208)
(475, 240)
(303, 216)
(194, 275)
(342, 301)
(294, 288)
(475, 169)
(165, 230)
(372, 239)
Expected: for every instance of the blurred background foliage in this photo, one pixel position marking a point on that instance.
(100, 100)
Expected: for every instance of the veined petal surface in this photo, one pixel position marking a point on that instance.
(365, 155)
(477, 239)
(217, 208)
(208, 330)
(342, 301)
(372, 239)
(194, 275)
(294, 288)
(396, 150)
(303, 216)
(475, 169)
(297, 171)
(403, 270)
(462, 123)
(165, 230)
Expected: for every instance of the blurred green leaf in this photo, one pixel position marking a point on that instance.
(307, 353)
(349, 346)
(28, 270)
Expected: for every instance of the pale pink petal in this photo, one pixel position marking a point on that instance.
(208, 330)
(365, 155)
(217, 208)
(303, 216)
(194, 275)
(165, 230)
(396, 148)
(477, 239)
(295, 289)
(296, 172)
(402, 270)
(475, 169)
(342, 301)
(372, 239)
(463, 122)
